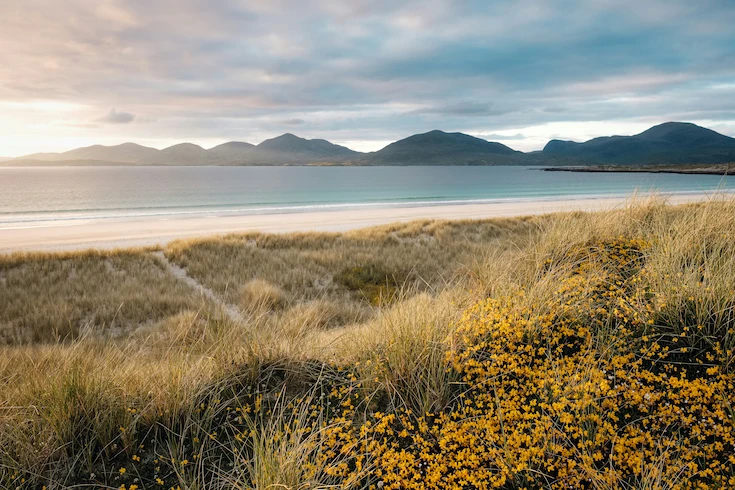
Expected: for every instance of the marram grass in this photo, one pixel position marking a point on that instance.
(598, 351)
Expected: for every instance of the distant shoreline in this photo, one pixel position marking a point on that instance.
(705, 169)
(155, 231)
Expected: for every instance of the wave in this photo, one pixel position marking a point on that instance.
(71, 216)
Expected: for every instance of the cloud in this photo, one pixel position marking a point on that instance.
(115, 117)
(72, 123)
(462, 109)
(360, 71)
(504, 137)
(293, 122)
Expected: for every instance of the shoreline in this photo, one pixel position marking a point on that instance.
(724, 169)
(56, 236)
(37, 220)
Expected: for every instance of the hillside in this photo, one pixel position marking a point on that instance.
(440, 148)
(291, 149)
(668, 143)
(282, 150)
(181, 154)
(231, 153)
(124, 153)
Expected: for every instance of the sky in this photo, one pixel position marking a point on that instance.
(361, 73)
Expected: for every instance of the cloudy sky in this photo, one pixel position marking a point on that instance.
(358, 72)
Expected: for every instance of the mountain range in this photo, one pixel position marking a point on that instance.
(668, 143)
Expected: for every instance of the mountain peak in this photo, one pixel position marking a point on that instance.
(232, 145)
(440, 148)
(667, 143)
(451, 141)
(316, 149)
(684, 133)
(559, 146)
(184, 146)
(285, 141)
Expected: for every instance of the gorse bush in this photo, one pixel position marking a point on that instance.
(586, 394)
(603, 360)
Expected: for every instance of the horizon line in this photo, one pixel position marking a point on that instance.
(322, 139)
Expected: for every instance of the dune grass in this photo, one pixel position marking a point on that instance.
(578, 350)
(60, 297)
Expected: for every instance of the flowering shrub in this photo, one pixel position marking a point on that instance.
(581, 392)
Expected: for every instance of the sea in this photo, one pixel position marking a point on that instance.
(41, 194)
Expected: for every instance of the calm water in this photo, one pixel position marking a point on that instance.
(67, 193)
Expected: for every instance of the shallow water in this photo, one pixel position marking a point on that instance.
(72, 193)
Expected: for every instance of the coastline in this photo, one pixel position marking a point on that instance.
(52, 236)
(697, 169)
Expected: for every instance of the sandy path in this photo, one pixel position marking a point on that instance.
(105, 234)
(179, 273)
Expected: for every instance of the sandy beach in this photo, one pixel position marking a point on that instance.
(151, 231)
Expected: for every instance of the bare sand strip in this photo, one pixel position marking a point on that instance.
(231, 311)
(107, 234)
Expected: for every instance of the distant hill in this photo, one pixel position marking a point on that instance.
(668, 143)
(124, 153)
(289, 148)
(283, 150)
(440, 148)
(673, 143)
(181, 154)
(232, 153)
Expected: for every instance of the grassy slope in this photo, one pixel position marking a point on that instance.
(369, 357)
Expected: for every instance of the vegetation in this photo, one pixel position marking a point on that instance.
(566, 351)
(58, 297)
(681, 168)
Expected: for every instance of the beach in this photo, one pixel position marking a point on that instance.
(82, 234)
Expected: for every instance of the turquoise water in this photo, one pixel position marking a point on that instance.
(68, 193)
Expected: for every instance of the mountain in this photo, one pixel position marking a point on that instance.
(5, 159)
(282, 150)
(124, 153)
(181, 154)
(668, 143)
(232, 153)
(440, 148)
(289, 148)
